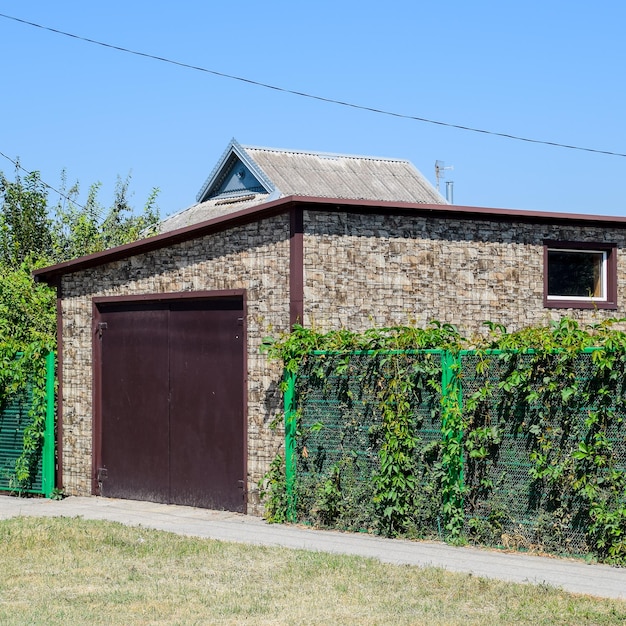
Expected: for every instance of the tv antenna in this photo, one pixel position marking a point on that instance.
(440, 171)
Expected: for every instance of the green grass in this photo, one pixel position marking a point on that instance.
(73, 571)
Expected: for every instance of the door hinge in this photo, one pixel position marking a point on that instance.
(101, 475)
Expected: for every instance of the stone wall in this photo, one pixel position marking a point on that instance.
(254, 257)
(359, 271)
(377, 270)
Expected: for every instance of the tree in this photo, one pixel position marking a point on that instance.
(25, 226)
(27, 310)
(32, 235)
(79, 230)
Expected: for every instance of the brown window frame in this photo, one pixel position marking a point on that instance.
(610, 302)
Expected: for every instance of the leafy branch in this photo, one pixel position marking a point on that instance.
(554, 395)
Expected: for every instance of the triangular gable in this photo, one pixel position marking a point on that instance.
(235, 174)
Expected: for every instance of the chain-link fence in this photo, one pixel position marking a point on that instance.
(339, 438)
(523, 464)
(524, 492)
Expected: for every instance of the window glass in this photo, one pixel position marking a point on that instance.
(577, 274)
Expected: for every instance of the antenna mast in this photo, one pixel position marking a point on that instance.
(440, 174)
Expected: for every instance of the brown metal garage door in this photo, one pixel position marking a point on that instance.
(171, 410)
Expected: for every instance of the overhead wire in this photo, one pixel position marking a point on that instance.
(311, 96)
(63, 195)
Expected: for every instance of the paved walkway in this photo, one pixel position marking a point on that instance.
(573, 576)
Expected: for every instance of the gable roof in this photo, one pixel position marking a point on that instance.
(246, 176)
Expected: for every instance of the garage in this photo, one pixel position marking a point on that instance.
(169, 396)
(160, 396)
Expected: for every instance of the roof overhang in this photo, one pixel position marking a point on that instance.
(275, 207)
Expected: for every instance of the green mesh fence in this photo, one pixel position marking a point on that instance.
(338, 442)
(507, 500)
(513, 493)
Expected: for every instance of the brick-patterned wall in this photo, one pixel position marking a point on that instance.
(253, 257)
(376, 270)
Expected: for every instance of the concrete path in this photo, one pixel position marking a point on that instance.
(569, 575)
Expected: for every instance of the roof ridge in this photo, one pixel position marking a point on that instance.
(323, 154)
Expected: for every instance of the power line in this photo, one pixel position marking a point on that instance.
(45, 184)
(313, 96)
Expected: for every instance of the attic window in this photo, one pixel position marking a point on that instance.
(580, 275)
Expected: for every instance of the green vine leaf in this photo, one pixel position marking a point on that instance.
(549, 401)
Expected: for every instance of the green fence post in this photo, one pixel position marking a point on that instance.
(47, 469)
(458, 390)
(452, 439)
(290, 443)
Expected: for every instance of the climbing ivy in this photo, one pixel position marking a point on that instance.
(23, 377)
(561, 391)
(530, 392)
(395, 381)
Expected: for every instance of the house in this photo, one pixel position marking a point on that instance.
(164, 394)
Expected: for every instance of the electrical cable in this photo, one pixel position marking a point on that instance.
(313, 96)
(45, 184)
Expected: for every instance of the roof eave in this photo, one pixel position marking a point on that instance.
(281, 205)
(51, 273)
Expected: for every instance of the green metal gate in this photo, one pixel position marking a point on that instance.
(16, 415)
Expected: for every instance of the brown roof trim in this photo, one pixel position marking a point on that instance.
(462, 212)
(282, 205)
(223, 222)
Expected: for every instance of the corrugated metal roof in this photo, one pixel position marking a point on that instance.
(308, 174)
(297, 173)
(207, 210)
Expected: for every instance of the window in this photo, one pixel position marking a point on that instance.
(579, 275)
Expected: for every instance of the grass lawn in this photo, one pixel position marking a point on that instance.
(73, 571)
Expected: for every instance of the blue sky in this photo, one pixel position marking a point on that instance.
(549, 70)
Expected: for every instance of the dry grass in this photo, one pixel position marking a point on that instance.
(72, 571)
